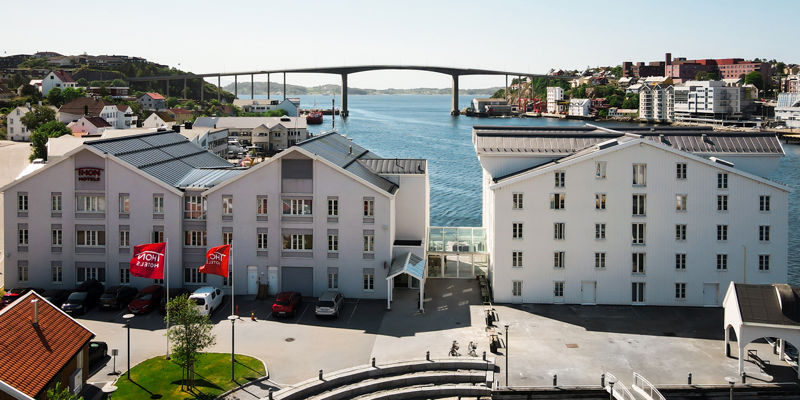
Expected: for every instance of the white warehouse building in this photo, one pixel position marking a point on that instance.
(630, 216)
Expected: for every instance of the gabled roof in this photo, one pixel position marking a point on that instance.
(79, 106)
(164, 116)
(776, 304)
(63, 76)
(409, 263)
(155, 96)
(97, 122)
(34, 353)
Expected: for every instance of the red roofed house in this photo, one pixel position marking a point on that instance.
(57, 79)
(152, 101)
(41, 345)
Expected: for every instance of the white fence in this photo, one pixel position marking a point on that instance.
(645, 388)
(621, 391)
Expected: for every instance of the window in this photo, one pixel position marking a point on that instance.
(124, 238)
(557, 201)
(192, 275)
(763, 233)
(22, 202)
(600, 201)
(600, 231)
(600, 169)
(261, 241)
(22, 271)
(369, 243)
(763, 203)
(195, 239)
(558, 230)
(640, 174)
(517, 201)
(369, 279)
(124, 275)
(124, 203)
(680, 232)
(261, 205)
(558, 289)
(158, 204)
(85, 273)
(599, 259)
(558, 259)
(333, 207)
(638, 233)
(680, 171)
(680, 202)
(56, 237)
(516, 288)
(298, 242)
(560, 177)
(722, 180)
(55, 202)
(369, 207)
(680, 261)
(297, 207)
(227, 237)
(87, 203)
(56, 274)
(638, 263)
(227, 205)
(516, 259)
(722, 232)
(763, 262)
(194, 207)
(722, 262)
(158, 236)
(680, 291)
(722, 202)
(333, 242)
(639, 204)
(333, 278)
(516, 230)
(90, 238)
(637, 292)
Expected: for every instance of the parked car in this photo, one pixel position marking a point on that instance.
(83, 297)
(173, 293)
(98, 351)
(146, 300)
(117, 297)
(329, 304)
(286, 303)
(56, 296)
(207, 298)
(16, 293)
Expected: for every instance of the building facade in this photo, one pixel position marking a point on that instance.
(788, 109)
(555, 95)
(152, 101)
(15, 129)
(656, 103)
(267, 133)
(580, 107)
(57, 79)
(710, 101)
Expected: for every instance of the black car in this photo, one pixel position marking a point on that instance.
(15, 293)
(98, 351)
(117, 297)
(83, 298)
(56, 296)
(173, 293)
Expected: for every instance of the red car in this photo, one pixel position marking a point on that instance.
(146, 300)
(287, 303)
(13, 294)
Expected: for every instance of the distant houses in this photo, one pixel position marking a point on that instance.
(152, 101)
(266, 133)
(290, 105)
(57, 79)
(117, 116)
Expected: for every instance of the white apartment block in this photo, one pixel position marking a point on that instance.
(788, 109)
(628, 217)
(709, 101)
(119, 116)
(555, 94)
(267, 133)
(15, 129)
(656, 103)
(580, 107)
(324, 214)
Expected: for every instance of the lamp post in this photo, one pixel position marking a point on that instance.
(611, 383)
(731, 380)
(506, 326)
(232, 318)
(128, 318)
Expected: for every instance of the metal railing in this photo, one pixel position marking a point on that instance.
(645, 388)
(621, 391)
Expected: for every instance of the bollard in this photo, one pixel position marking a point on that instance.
(555, 380)
(270, 394)
(484, 355)
(373, 362)
(320, 375)
(428, 355)
(690, 378)
(603, 380)
(744, 377)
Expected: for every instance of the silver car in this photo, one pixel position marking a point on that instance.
(329, 304)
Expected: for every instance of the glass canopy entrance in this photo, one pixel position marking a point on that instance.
(458, 252)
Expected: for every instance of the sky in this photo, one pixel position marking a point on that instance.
(205, 36)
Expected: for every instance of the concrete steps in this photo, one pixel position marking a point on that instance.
(430, 392)
(398, 382)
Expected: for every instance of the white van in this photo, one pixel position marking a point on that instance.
(207, 298)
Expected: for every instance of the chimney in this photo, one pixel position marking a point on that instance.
(350, 150)
(86, 110)
(668, 58)
(35, 311)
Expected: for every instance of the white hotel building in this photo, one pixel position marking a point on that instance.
(632, 216)
(324, 214)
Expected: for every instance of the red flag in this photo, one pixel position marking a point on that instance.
(217, 261)
(148, 260)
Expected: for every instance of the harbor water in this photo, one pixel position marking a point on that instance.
(420, 127)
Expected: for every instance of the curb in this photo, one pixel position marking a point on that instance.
(261, 379)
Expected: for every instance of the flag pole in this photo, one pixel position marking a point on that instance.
(166, 268)
(231, 266)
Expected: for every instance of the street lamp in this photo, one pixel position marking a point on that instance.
(232, 318)
(128, 318)
(611, 383)
(731, 380)
(506, 326)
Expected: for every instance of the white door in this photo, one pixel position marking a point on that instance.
(252, 279)
(588, 292)
(710, 294)
(272, 280)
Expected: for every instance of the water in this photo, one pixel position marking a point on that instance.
(421, 127)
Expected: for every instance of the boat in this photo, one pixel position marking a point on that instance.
(314, 118)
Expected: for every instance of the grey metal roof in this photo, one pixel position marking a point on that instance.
(395, 166)
(205, 178)
(345, 153)
(769, 304)
(169, 157)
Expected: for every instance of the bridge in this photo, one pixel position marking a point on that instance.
(342, 71)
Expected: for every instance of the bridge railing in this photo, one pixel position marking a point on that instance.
(645, 388)
(621, 391)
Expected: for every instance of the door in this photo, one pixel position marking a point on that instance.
(710, 294)
(252, 279)
(589, 293)
(272, 280)
(298, 279)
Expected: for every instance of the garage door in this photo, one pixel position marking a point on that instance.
(298, 279)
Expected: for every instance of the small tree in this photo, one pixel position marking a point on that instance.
(61, 393)
(69, 94)
(40, 136)
(38, 116)
(118, 83)
(54, 97)
(189, 334)
(172, 101)
(499, 94)
(755, 79)
(83, 82)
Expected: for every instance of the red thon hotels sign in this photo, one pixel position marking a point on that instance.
(89, 174)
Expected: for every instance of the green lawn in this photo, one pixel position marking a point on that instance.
(158, 378)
